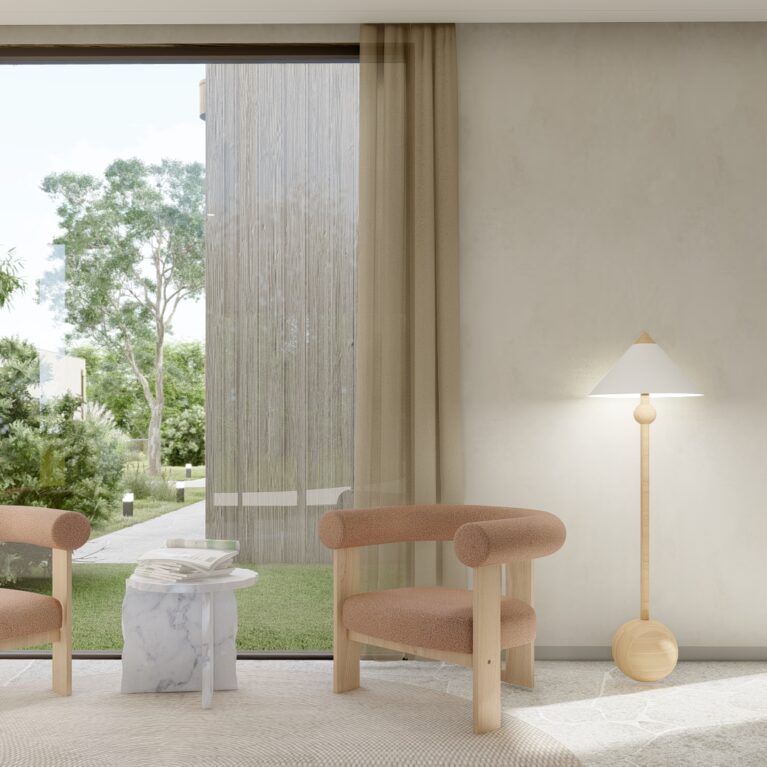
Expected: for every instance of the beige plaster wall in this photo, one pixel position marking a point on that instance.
(614, 180)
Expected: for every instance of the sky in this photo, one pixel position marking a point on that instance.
(79, 118)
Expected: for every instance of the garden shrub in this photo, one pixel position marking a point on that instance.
(142, 485)
(63, 462)
(183, 437)
(52, 454)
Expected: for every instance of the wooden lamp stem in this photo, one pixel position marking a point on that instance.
(645, 649)
(644, 416)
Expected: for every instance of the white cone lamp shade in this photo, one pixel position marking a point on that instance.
(645, 369)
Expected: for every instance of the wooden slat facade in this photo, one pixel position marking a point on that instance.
(282, 162)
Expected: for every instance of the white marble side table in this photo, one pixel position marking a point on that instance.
(181, 636)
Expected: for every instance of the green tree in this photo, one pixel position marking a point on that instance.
(10, 281)
(133, 252)
(112, 383)
(185, 375)
(19, 372)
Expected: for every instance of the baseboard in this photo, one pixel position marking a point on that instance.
(691, 653)
(117, 655)
(723, 653)
(542, 652)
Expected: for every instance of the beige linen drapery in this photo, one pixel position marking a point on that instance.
(408, 429)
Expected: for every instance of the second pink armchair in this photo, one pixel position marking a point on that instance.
(470, 628)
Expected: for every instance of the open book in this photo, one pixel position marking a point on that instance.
(174, 565)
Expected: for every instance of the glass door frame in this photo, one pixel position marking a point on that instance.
(177, 53)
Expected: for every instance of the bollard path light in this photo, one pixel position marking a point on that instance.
(128, 505)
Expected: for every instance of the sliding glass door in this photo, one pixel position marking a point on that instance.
(177, 323)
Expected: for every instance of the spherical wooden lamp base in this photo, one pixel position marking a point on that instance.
(645, 650)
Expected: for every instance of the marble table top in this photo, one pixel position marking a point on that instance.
(239, 578)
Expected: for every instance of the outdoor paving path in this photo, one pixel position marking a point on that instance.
(126, 545)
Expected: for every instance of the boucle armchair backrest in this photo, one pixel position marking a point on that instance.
(51, 528)
(483, 534)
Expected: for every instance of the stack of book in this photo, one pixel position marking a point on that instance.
(183, 560)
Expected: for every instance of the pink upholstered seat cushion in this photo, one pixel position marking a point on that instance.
(436, 618)
(24, 614)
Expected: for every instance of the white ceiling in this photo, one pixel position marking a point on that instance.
(56, 12)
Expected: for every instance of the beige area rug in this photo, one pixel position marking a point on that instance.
(275, 718)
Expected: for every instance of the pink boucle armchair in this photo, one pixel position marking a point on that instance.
(469, 628)
(30, 619)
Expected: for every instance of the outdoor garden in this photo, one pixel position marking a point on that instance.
(130, 251)
(131, 247)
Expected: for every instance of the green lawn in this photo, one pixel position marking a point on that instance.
(290, 607)
(179, 472)
(144, 509)
(169, 472)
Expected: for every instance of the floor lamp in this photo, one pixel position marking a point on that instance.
(645, 649)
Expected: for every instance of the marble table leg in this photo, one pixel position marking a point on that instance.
(208, 632)
(163, 642)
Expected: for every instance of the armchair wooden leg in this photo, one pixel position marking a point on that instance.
(346, 665)
(520, 661)
(486, 650)
(346, 653)
(62, 650)
(520, 666)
